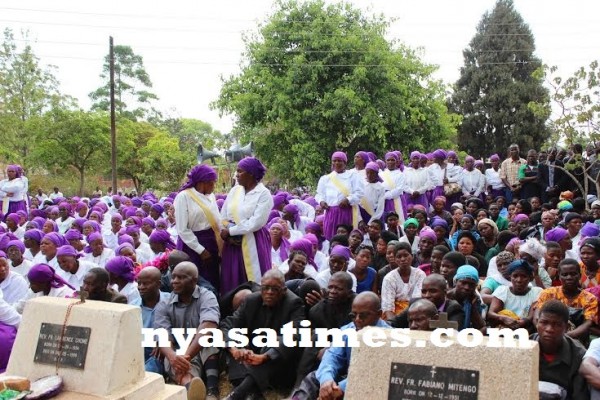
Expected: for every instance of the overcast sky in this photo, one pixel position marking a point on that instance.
(188, 45)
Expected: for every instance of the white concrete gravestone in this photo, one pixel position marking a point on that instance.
(102, 357)
(456, 372)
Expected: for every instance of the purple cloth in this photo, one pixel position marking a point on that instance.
(158, 208)
(233, 271)
(149, 221)
(391, 154)
(124, 245)
(207, 270)
(73, 234)
(39, 221)
(590, 229)
(7, 339)
(67, 250)
(13, 217)
(162, 236)
(494, 157)
(341, 251)
(305, 246)
(295, 212)
(254, 167)
(556, 235)
(18, 244)
(121, 266)
(364, 156)
(421, 200)
(439, 153)
(53, 223)
(427, 232)
(335, 216)
(125, 238)
(132, 229)
(161, 223)
(79, 222)
(16, 206)
(34, 234)
(56, 238)
(340, 155)
(94, 225)
(279, 199)
(43, 273)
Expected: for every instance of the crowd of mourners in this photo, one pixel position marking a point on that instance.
(511, 243)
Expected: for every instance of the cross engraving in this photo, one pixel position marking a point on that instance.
(432, 372)
(442, 322)
(83, 295)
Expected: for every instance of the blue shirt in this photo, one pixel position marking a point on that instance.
(148, 317)
(367, 283)
(336, 360)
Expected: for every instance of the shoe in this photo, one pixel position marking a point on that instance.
(212, 394)
(196, 390)
(233, 395)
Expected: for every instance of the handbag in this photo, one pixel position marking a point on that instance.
(451, 188)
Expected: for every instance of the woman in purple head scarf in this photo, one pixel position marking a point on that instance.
(13, 191)
(121, 272)
(417, 183)
(247, 247)
(197, 220)
(393, 183)
(473, 181)
(279, 244)
(339, 194)
(494, 183)
(361, 159)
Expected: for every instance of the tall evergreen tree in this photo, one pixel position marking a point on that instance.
(497, 86)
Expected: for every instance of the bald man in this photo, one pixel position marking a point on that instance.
(252, 369)
(148, 281)
(420, 313)
(366, 311)
(190, 306)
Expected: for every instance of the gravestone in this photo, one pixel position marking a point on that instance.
(97, 352)
(424, 371)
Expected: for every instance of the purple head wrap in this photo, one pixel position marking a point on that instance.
(520, 217)
(43, 273)
(590, 229)
(478, 163)
(556, 234)
(372, 156)
(439, 153)
(136, 202)
(73, 234)
(34, 234)
(306, 247)
(340, 155)
(55, 238)
(162, 236)
(122, 267)
(391, 154)
(53, 223)
(423, 157)
(220, 203)
(437, 221)
(279, 199)
(80, 206)
(16, 168)
(132, 229)
(469, 158)
(415, 154)
(18, 244)
(37, 213)
(94, 225)
(149, 221)
(427, 232)
(295, 212)
(341, 251)
(158, 208)
(39, 221)
(131, 211)
(13, 217)
(67, 250)
(161, 222)
(254, 167)
(363, 155)
(494, 157)
(125, 238)
(373, 166)
(380, 164)
(125, 245)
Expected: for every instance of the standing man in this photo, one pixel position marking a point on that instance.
(509, 171)
(528, 177)
(551, 178)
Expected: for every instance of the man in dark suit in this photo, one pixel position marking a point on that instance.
(253, 369)
(550, 178)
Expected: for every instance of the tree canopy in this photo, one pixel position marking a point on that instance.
(319, 78)
(132, 86)
(497, 86)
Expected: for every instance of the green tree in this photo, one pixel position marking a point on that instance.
(150, 156)
(132, 86)
(193, 132)
(27, 90)
(497, 85)
(319, 78)
(72, 139)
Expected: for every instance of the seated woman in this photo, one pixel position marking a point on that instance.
(583, 305)
(467, 224)
(489, 236)
(427, 239)
(554, 255)
(450, 264)
(497, 275)
(466, 246)
(401, 284)
(12, 285)
(533, 252)
(279, 244)
(390, 256)
(411, 227)
(511, 305)
(366, 276)
(43, 281)
(440, 227)
(297, 262)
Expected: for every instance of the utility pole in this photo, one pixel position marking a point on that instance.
(113, 129)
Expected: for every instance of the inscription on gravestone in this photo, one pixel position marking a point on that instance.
(410, 381)
(74, 346)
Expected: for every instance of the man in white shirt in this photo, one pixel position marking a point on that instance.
(56, 194)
